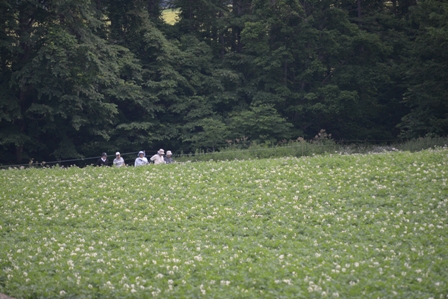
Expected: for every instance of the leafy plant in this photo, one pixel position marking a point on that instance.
(329, 225)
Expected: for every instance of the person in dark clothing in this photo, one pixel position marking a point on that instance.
(168, 157)
(103, 160)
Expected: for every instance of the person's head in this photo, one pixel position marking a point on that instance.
(161, 152)
(141, 154)
(117, 154)
(169, 154)
(103, 155)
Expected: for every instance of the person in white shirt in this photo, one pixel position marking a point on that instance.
(141, 159)
(158, 158)
(118, 161)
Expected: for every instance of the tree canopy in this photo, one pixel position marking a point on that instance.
(80, 77)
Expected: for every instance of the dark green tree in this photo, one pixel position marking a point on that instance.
(181, 86)
(427, 72)
(319, 67)
(261, 123)
(57, 78)
(81, 77)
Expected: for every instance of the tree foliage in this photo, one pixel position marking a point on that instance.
(427, 72)
(82, 77)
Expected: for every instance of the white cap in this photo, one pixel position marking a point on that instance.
(141, 152)
(169, 153)
(117, 153)
(161, 152)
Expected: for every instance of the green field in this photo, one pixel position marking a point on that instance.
(347, 226)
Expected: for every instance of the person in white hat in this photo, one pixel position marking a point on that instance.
(118, 161)
(141, 159)
(158, 158)
(168, 157)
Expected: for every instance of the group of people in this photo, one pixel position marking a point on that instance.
(158, 158)
(141, 160)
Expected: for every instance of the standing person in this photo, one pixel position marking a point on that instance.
(141, 159)
(103, 160)
(168, 159)
(118, 161)
(158, 158)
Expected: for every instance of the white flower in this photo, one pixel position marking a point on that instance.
(225, 282)
(201, 287)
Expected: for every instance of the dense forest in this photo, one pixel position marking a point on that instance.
(79, 77)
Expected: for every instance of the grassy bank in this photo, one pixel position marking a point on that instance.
(310, 148)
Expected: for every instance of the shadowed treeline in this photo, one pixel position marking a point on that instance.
(81, 77)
